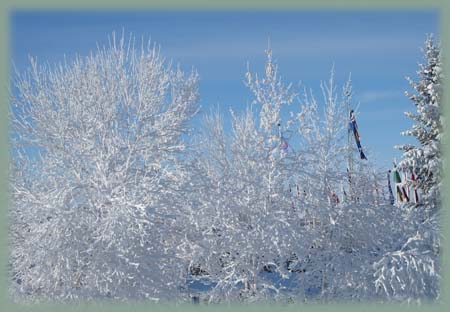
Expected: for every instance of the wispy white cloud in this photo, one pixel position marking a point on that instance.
(379, 95)
(298, 45)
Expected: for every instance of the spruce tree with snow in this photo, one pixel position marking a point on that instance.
(410, 270)
(425, 159)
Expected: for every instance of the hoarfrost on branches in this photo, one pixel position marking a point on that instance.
(111, 200)
(267, 226)
(96, 147)
(412, 272)
(425, 160)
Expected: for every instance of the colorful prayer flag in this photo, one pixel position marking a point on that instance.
(354, 128)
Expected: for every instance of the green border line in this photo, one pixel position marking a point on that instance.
(7, 6)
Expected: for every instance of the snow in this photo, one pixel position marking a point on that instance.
(124, 203)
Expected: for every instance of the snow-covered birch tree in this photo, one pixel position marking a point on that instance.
(249, 227)
(322, 142)
(96, 148)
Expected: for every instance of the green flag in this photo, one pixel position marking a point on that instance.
(397, 178)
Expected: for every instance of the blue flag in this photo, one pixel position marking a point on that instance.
(354, 128)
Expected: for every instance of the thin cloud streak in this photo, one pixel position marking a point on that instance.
(298, 46)
(379, 95)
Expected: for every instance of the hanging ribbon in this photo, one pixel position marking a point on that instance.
(399, 186)
(405, 194)
(398, 182)
(414, 180)
(391, 195)
(354, 128)
(335, 198)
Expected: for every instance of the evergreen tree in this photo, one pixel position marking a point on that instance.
(409, 269)
(425, 159)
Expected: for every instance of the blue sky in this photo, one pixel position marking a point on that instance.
(379, 48)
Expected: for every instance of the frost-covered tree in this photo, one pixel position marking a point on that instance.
(241, 205)
(109, 201)
(247, 225)
(322, 144)
(95, 177)
(340, 240)
(425, 159)
(411, 269)
(265, 222)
